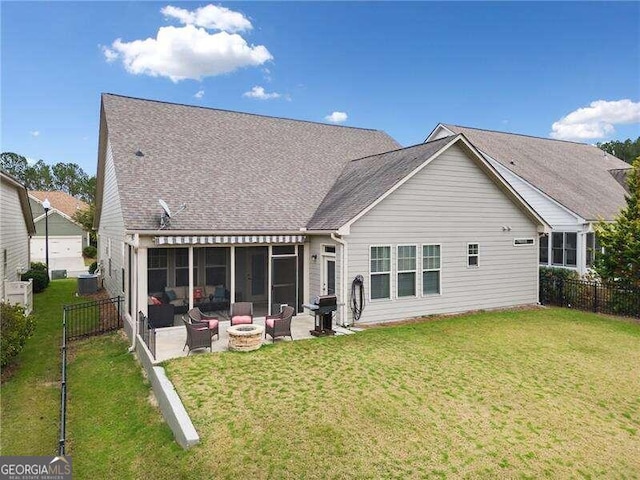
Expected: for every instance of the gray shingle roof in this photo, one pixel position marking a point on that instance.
(574, 174)
(235, 171)
(364, 180)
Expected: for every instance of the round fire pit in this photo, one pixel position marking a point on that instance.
(245, 338)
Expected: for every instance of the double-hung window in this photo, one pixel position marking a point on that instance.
(473, 255)
(431, 266)
(182, 268)
(544, 249)
(406, 271)
(592, 248)
(156, 269)
(380, 272)
(564, 248)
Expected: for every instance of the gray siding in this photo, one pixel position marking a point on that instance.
(450, 202)
(316, 244)
(111, 230)
(58, 226)
(14, 236)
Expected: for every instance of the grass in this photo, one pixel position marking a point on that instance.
(527, 394)
(31, 397)
(113, 429)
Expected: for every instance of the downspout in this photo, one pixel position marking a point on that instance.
(135, 244)
(343, 280)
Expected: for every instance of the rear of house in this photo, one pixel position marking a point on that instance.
(277, 211)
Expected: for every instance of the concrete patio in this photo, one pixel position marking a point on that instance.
(170, 340)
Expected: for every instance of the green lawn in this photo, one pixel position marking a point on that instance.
(527, 394)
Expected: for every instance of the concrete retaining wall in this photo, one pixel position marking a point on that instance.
(169, 402)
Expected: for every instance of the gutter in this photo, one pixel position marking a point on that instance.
(135, 243)
(343, 280)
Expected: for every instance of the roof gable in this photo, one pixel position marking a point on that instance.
(23, 198)
(61, 201)
(234, 171)
(367, 181)
(576, 175)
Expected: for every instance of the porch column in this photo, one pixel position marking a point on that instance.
(269, 279)
(233, 274)
(141, 276)
(190, 277)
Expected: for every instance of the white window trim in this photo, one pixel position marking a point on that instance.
(324, 252)
(564, 249)
(390, 273)
(422, 270)
(414, 271)
(527, 239)
(469, 255)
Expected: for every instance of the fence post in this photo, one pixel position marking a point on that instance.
(595, 297)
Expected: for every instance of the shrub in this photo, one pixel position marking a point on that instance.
(93, 267)
(14, 331)
(40, 279)
(89, 251)
(38, 266)
(558, 273)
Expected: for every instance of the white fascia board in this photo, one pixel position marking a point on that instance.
(495, 164)
(62, 214)
(438, 128)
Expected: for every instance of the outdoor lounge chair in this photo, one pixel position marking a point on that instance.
(197, 336)
(241, 313)
(198, 318)
(279, 325)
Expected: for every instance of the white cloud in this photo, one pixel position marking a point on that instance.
(337, 117)
(598, 120)
(199, 94)
(259, 93)
(187, 52)
(211, 17)
(191, 51)
(34, 133)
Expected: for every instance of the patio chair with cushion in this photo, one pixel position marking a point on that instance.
(279, 325)
(198, 318)
(198, 336)
(241, 313)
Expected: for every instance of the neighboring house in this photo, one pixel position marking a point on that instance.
(571, 185)
(16, 226)
(280, 210)
(67, 237)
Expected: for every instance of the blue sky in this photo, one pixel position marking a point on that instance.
(397, 67)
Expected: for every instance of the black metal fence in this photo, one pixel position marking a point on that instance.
(147, 333)
(591, 296)
(63, 392)
(93, 318)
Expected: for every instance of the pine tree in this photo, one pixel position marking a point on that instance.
(620, 262)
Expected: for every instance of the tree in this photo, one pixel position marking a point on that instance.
(627, 150)
(85, 218)
(620, 262)
(13, 164)
(38, 177)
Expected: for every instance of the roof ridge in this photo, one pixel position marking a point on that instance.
(403, 148)
(518, 134)
(242, 113)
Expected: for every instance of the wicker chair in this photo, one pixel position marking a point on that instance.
(199, 319)
(241, 313)
(279, 325)
(197, 336)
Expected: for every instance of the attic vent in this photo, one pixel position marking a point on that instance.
(139, 153)
(512, 162)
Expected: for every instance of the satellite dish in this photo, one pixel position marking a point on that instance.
(165, 217)
(165, 207)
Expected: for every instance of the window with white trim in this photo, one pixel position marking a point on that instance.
(544, 249)
(473, 255)
(380, 277)
(564, 248)
(521, 242)
(406, 267)
(431, 266)
(592, 248)
(182, 268)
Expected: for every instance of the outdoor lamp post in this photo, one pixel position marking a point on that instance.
(47, 206)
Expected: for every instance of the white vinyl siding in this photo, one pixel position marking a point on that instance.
(380, 277)
(431, 269)
(434, 207)
(111, 230)
(14, 236)
(407, 267)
